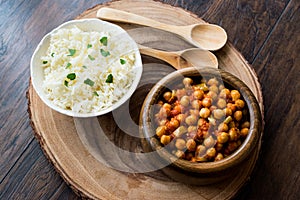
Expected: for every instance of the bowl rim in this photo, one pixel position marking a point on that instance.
(206, 167)
(138, 68)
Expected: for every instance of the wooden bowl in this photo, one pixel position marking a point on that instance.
(196, 172)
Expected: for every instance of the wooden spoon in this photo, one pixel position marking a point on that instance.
(193, 57)
(204, 36)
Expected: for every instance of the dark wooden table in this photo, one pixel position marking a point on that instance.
(266, 32)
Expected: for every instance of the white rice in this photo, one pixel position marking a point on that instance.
(77, 95)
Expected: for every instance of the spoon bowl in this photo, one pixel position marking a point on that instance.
(204, 36)
(208, 36)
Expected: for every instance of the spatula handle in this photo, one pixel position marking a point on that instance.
(111, 14)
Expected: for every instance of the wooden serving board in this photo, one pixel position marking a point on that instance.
(77, 163)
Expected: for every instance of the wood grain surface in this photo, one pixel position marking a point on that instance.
(265, 32)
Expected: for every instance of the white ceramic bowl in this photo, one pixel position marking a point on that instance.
(37, 72)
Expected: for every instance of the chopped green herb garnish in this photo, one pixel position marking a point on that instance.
(71, 76)
(109, 78)
(72, 52)
(66, 83)
(104, 53)
(122, 61)
(89, 46)
(89, 82)
(103, 41)
(45, 62)
(96, 94)
(84, 66)
(91, 57)
(68, 65)
(52, 54)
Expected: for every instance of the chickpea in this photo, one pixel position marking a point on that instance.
(235, 95)
(191, 145)
(200, 151)
(231, 124)
(165, 139)
(191, 120)
(167, 106)
(209, 142)
(214, 88)
(244, 132)
(219, 146)
(160, 103)
(232, 107)
(233, 134)
(162, 122)
(174, 123)
(211, 152)
(224, 93)
(160, 131)
(203, 87)
(238, 115)
(201, 122)
(212, 81)
(232, 146)
(221, 103)
(218, 114)
(180, 118)
(221, 87)
(198, 94)
(246, 125)
(180, 93)
(174, 112)
(201, 159)
(204, 112)
(180, 144)
(165, 110)
(223, 138)
(212, 95)
(196, 104)
(219, 157)
(167, 96)
(206, 102)
(228, 111)
(184, 101)
(239, 104)
(194, 112)
(187, 81)
(191, 129)
(163, 113)
(179, 154)
(177, 108)
(212, 108)
(223, 127)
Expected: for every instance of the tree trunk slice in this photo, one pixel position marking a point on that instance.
(76, 162)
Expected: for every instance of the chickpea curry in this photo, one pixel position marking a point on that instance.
(202, 120)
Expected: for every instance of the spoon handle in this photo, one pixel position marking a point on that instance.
(170, 57)
(122, 16)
